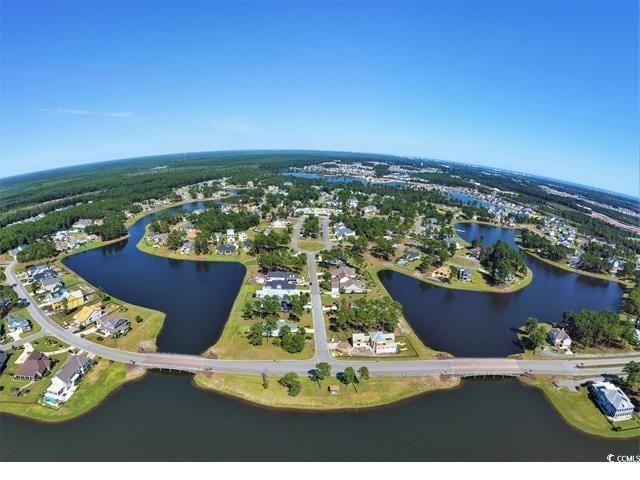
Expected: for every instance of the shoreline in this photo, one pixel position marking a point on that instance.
(281, 401)
(593, 423)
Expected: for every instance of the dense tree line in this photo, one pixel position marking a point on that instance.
(366, 314)
(600, 329)
(502, 262)
(37, 250)
(544, 247)
(281, 260)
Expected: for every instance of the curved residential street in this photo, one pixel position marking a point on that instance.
(192, 363)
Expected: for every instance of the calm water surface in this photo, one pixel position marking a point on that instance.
(196, 296)
(164, 417)
(485, 324)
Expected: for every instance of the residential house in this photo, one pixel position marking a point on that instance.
(369, 210)
(375, 342)
(465, 274)
(559, 338)
(382, 342)
(279, 223)
(34, 367)
(113, 326)
(17, 323)
(64, 382)
(279, 324)
(242, 236)
(75, 299)
(158, 239)
(441, 273)
(226, 250)
(230, 235)
(411, 255)
(277, 275)
(612, 401)
(278, 288)
(35, 269)
(82, 223)
(187, 247)
(50, 284)
(88, 315)
(341, 231)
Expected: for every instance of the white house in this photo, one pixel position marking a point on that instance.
(63, 384)
(612, 401)
(559, 338)
(375, 342)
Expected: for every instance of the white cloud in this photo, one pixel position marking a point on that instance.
(89, 113)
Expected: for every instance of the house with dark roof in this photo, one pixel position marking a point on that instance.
(34, 367)
(3, 359)
(226, 249)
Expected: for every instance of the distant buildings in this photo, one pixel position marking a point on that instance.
(612, 401)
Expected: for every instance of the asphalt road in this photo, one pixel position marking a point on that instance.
(193, 363)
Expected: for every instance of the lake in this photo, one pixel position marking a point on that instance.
(473, 324)
(164, 418)
(196, 296)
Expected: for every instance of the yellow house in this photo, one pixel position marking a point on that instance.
(75, 299)
(88, 315)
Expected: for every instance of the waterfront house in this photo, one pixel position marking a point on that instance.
(334, 389)
(187, 247)
(226, 250)
(612, 401)
(34, 367)
(113, 326)
(36, 269)
(17, 323)
(64, 382)
(88, 315)
(559, 338)
(465, 274)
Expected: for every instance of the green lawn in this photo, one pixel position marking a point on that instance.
(233, 343)
(374, 392)
(581, 412)
(35, 328)
(103, 378)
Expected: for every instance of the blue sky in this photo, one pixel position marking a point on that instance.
(542, 87)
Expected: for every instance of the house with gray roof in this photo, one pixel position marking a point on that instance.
(64, 382)
(51, 283)
(113, 326)
(17, 323)
(559, 338)
(612, 401)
